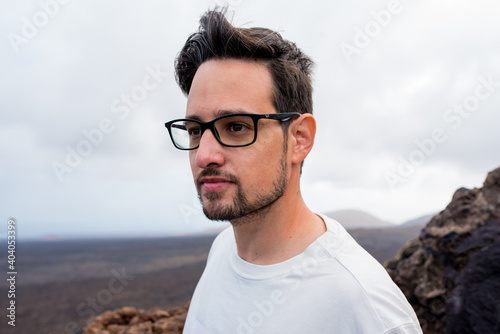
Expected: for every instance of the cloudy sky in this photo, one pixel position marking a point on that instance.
(407, 98)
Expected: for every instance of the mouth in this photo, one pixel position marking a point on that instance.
(214, 184)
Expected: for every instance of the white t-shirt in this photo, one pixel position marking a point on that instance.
(334, 286)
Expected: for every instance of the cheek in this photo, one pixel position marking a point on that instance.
(262, 166)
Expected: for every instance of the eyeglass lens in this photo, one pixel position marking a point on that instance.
(231, 130)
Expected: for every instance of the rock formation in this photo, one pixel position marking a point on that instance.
(451, 273)
(129, 320)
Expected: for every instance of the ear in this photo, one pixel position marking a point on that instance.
(302, 134)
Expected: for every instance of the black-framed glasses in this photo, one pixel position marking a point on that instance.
(233, 130)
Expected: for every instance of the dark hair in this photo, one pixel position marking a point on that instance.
(218, 39)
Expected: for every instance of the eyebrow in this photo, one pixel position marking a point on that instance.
(220, 113)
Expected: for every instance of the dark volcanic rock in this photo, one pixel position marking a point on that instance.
(472, 306)
(451, 273)
(129, 320)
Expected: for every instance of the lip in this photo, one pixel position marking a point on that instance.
(213, 184)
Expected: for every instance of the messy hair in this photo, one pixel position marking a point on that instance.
(217, 39)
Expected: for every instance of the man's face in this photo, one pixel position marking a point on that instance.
(236, 182)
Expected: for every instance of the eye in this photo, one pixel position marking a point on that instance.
(194, 132)
(237, 127)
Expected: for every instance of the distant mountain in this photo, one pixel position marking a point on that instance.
(356, 219)
(420, 221)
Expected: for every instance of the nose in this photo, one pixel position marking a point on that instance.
(209, 152)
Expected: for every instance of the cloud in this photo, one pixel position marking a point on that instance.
(370, 111)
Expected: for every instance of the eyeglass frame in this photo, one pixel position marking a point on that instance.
(283, 117)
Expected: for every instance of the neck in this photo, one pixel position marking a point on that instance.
(278, 233)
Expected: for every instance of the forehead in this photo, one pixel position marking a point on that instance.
(230, 85)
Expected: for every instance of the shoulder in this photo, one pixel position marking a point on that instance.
(367, 281)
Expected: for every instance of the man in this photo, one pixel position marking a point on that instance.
(279, 268)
